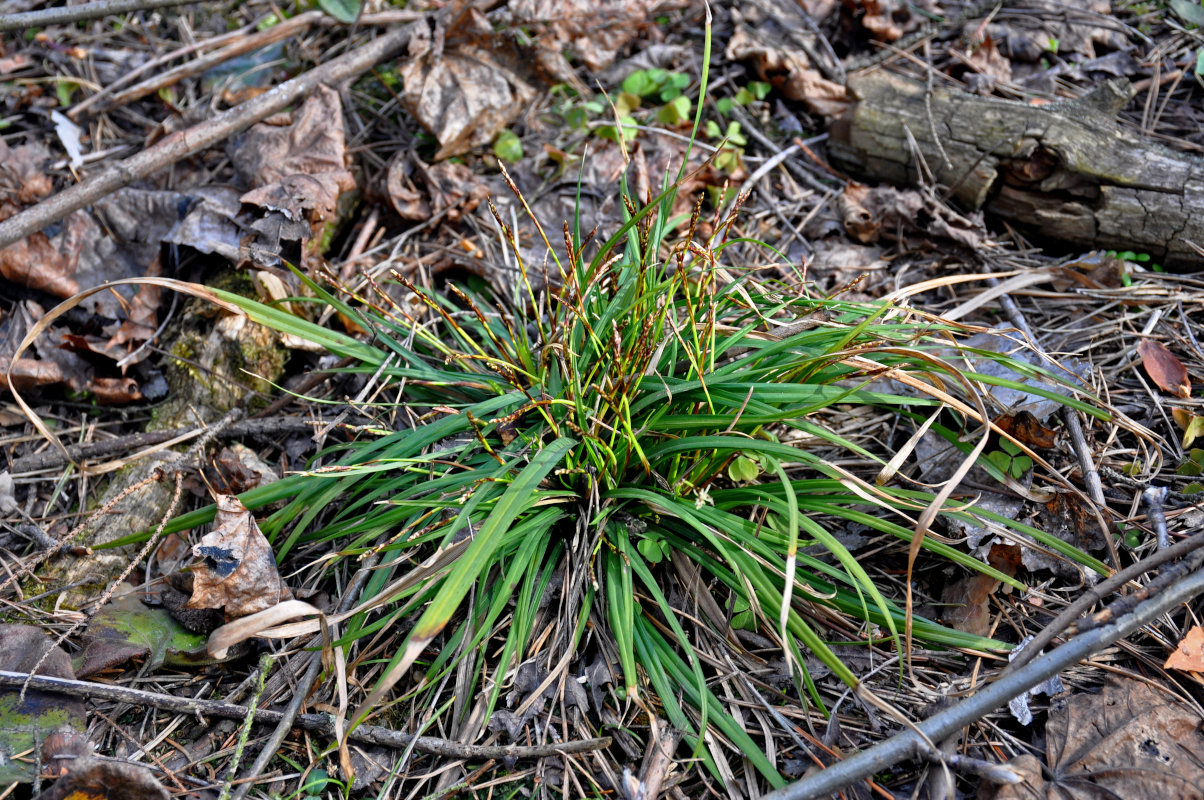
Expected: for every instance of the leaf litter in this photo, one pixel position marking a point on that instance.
(297, 188)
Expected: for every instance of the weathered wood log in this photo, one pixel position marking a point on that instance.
(1062, 172)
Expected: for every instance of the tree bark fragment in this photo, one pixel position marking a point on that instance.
(1065, 172)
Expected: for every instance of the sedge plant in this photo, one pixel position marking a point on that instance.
(636, 422)
(645, 415)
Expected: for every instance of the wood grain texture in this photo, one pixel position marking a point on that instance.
(1065, 171)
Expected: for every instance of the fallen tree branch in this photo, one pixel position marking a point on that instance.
(318, 723)
(909, 743)
(61, 14)
(53, 459)
(184, 143)
(1066, 172)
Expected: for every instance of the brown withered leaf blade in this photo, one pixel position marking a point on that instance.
(1189, 655)
(235, 569)
(466, 93)
(1129, 740)
(1164, 368)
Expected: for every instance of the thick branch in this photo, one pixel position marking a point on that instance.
(61, 14)
(1065, 172)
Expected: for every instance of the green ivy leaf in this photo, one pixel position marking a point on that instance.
(345, 11)
(674, 112)
(1000, 459)
(743, 469)
(650, 549)
(507, 147)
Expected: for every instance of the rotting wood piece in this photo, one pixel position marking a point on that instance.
(1065, 172)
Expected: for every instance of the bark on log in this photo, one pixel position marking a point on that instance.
(1064, 172)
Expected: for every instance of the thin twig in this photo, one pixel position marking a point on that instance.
(54, 459)
(94, 10)
(288, 28)
(205, 134)
(318, 723)
(906, 745)
(1096, 593)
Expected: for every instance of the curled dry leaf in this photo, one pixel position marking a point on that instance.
(235, 569)
(93, 778)
(125, 628)
(594, 30)
(1027, 429)
(467, 91)
(790, 72)
(297, 173)
(450, 188)
(1164, 368)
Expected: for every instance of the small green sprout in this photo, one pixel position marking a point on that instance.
(1009, 459)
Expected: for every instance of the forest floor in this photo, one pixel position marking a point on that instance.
(269, 150)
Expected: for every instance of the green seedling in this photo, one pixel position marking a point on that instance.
(1009, 459)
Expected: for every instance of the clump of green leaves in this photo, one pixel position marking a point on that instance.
(1009, 459)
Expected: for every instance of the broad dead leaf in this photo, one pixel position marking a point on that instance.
(1164, 368)
(94, 778)
(27, 720)
(297, 173)
(1027, 429)
(1129, 740)
(450, 188)
(594, 30)
(1189, 655)
(235, 569)
(465, 93)
(790, 72)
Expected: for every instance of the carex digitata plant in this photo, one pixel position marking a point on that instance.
(636, 412)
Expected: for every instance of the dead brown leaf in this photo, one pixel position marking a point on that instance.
(907, 216)
(790, 72)
(889, 20)
(94, 778)
(1164, 368)
(992, 66)
(1129, 740)
(1189, 655)
(1027, 429)
(466, 92)
(969, 599)
(297, 172)
(450, 188)
(593, 30)
(235, 569)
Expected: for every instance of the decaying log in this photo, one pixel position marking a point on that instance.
(1063, 172)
